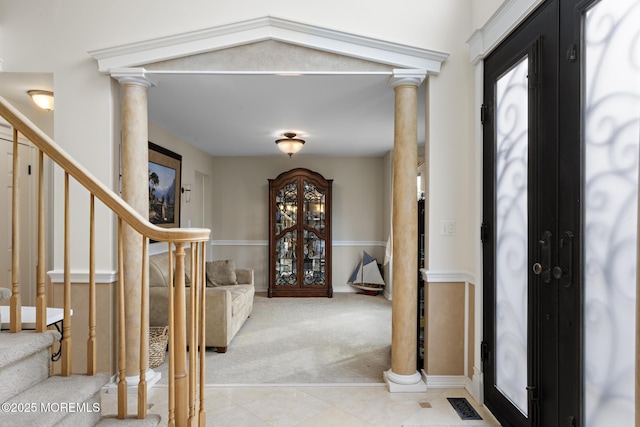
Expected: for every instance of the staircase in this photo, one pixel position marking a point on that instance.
(33, 398)
(29, 395)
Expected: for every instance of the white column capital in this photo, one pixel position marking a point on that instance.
(402, 77)
(132, 76)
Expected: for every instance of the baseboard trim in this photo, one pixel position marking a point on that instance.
(476, 386)
(270, 385)
(446, 381)
(132, 382)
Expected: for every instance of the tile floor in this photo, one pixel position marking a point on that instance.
(318, 406)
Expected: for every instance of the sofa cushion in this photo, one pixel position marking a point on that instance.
(221, 273)
(159, 269)
(240, 296)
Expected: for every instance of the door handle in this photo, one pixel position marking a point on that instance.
(566, 256)
(537, 268)
(544, 268)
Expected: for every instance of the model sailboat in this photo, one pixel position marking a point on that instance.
(366, 276)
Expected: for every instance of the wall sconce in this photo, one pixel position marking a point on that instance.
(186, 190)
(42, 98)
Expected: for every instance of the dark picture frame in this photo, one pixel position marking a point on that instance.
(165, 176)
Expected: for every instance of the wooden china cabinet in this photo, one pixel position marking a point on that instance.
(300, 235)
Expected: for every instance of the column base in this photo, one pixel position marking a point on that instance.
(404, 383)
(132, 382)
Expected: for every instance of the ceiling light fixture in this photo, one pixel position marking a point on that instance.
(290, 145)
(42, 98)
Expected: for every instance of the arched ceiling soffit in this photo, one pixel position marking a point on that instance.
(341, 50)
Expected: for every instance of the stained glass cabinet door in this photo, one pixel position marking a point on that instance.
(300, 235)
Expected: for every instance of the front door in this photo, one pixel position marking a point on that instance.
(560, 188)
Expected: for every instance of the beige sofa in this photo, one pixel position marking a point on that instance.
(227, 305)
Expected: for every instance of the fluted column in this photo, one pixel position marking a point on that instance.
(135, 191)
(403, 375)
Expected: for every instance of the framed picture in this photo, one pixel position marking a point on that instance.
(165, 171)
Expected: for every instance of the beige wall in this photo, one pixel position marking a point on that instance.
(444, 354)
(106, 324)
(236, 204)
(194, 163)
(241, 217)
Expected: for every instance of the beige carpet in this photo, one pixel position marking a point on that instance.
(344, 339)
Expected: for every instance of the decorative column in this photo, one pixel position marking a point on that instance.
(135, 191)
(403, 376)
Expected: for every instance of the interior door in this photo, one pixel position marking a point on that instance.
(27, 230)
(520, 344)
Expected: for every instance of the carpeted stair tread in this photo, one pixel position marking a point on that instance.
(152, 420)
(54, 393)
(24, 360)
(14, 347)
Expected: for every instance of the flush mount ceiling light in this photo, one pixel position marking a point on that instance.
(42, 98)
(290, 145)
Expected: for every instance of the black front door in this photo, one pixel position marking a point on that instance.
(561, 137)
(522, 271)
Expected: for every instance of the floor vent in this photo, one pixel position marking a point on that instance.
(464, 408)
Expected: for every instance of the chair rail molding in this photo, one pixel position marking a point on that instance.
(336, 243)
(82, 276)
(447, 276)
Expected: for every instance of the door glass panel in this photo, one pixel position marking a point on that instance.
(511, 234)
(611, 117)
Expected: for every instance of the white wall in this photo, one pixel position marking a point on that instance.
(481, 11)
(55, 36)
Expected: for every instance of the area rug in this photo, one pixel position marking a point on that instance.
(344, 339)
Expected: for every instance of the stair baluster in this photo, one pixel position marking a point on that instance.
(183, 406)
(15, 301)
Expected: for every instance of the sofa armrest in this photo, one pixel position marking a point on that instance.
(218, 315)
(218, 312)
(244, 276)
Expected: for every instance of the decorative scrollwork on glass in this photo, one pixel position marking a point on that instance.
(314, 259)
(314, 201)
(286, 207)
(611, 118)
(286, 259)
(511, 233)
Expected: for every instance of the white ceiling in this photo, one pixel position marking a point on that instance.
(243, 114)
(236, 115)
